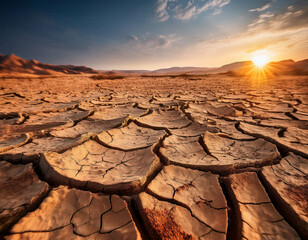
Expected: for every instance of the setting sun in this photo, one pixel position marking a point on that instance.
(260, 69)
(260, 60)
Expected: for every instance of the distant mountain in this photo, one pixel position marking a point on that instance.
(14, 64)
(289, 67)
(303, 64)
(123, 71)
(233, 67)
(181, 70)
(285, 67)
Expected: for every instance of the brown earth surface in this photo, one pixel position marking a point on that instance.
(153, 157)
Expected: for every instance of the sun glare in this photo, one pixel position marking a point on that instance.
(261, 69)
(260, 60)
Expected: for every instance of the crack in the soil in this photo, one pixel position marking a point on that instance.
(283, 208)
(178, 203)
(235, 225)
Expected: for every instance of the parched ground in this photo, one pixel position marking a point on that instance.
(160, 157)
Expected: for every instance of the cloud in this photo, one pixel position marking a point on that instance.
(261, 19)
(291, 19)
(161, 10)
(153, 42)
(217, 11)
(264, 7)
(266, 42)
(132, 37)
(282, 33)
(213, 4)
(185, 10)
(272, 28)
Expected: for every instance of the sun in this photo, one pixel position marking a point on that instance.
(260, 70)
(260, 59)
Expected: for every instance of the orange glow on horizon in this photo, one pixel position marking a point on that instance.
(260, 74)
(260, 58)
(260, 61)
(260, 70)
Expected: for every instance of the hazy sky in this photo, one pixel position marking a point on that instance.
(151, 34)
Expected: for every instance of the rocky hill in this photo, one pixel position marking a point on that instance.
(14, 64)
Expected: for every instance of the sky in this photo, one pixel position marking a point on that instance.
(152, 34)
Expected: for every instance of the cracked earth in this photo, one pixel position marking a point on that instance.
(182, 157)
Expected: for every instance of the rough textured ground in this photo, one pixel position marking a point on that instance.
(181, 157)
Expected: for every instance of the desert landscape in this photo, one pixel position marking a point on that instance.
(153, 120)
(152, 156)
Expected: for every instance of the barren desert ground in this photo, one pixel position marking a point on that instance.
(153, 157)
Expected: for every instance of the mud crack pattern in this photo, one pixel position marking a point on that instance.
(153, 158)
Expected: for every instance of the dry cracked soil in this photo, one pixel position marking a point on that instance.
(161, 157)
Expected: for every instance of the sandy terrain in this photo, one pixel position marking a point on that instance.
(153, 157)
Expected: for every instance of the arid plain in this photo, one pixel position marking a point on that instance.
(154, 157)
